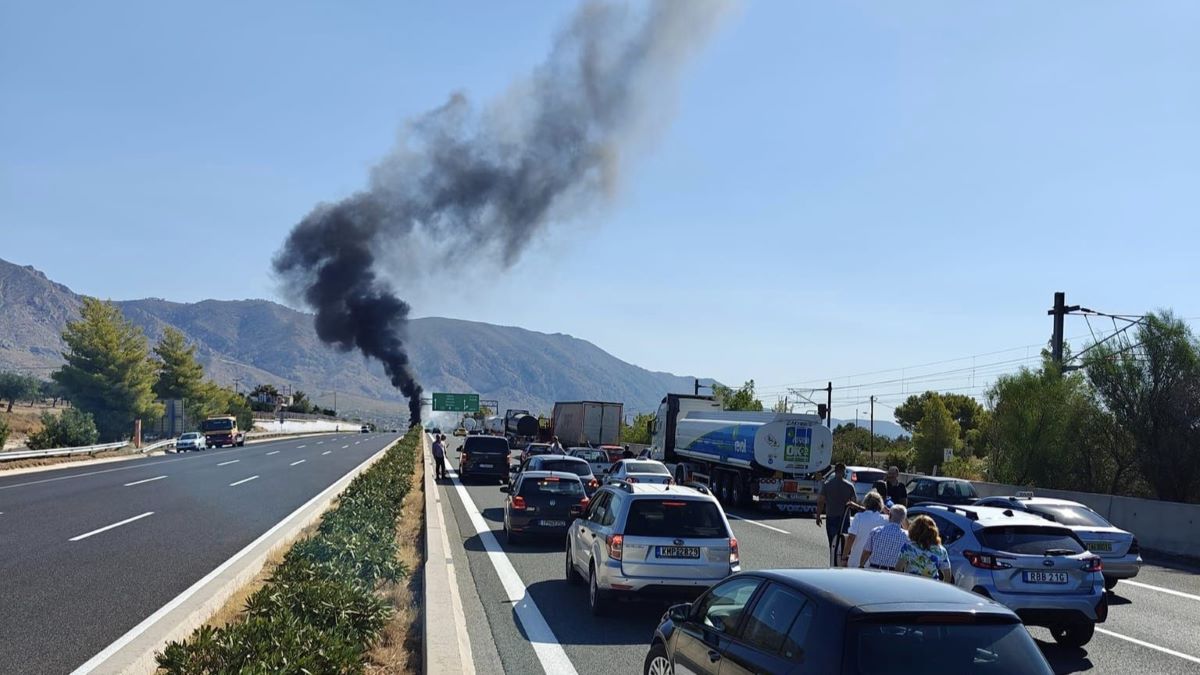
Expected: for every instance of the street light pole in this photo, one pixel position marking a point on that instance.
(872, 429)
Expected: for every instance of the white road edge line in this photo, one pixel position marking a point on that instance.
(1142, 643)
(1160, 589)
(273, 452)
(145, 480)
(327, 452)
(755, 522)
(460, 616)
(550, 653)
(298, 462)
(135, 632)
(244, 480)
(232, 461)
(109, 527)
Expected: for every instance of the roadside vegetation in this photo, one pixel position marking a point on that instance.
(327, 605)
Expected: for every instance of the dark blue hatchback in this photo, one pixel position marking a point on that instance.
(860, 622)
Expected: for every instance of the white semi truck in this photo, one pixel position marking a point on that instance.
(770, 459)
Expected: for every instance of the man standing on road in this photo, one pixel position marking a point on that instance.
(895, 489)
(439, 456)
(883, 546)
(556, 448)
(835, 494)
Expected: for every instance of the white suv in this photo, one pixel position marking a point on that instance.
(641, 539)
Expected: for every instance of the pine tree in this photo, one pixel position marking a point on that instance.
(936, 431)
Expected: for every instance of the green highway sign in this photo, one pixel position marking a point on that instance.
(455, 402)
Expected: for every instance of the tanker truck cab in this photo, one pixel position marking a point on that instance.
(745, 457)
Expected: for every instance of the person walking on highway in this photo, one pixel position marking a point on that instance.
(439, 456)
(895, 489)
(882, 549)
(861, 526)
(556, 447)
(836, 493)
(923, 553)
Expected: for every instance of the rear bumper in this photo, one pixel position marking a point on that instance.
(1122, 568)
(532, 525)
(1046, 610)
(610, 576)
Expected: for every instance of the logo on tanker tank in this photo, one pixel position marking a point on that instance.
(797, 445)
(772, 441)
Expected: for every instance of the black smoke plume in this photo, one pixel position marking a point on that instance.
(492, 179)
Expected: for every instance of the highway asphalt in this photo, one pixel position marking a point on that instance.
(87, 553)
(1147, 621)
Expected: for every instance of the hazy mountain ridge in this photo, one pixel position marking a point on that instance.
(262, 341)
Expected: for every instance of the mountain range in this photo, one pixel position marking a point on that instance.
(248, 342)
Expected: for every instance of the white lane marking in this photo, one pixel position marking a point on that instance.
(299, 447)
(299, 462)
(273, 452)
(109, 527)
(145, 480)
(136, 632)
(320, 442)
(345, 446)
(549, 652)
(244, 480)
(326, 452)
(755, 522)
(232, 461)
(1142, 643)
(1160, 589)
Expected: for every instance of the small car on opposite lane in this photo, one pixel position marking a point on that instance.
(191, 440)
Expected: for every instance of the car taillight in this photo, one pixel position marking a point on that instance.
(987, 561)
(616, 546)
(463, 458)
(734, 558)
(583, 504)
(593, 483)
(519, 503)
(1092, 565)
(1133, 548)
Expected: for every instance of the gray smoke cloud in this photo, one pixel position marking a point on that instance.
(493, 177)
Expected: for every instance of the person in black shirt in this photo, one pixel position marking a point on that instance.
(895, 489)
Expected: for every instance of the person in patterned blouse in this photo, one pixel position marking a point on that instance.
(924, 554)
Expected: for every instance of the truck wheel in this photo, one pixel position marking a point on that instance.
(735, 492)
(680, 474)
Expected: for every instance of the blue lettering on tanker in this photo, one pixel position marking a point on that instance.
(797, 445)
(728, 441)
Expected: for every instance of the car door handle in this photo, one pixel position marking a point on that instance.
(714, 656)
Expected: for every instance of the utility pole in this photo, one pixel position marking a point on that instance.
(872, 429)
(1059, 311)
(695, 386)
(829, 406)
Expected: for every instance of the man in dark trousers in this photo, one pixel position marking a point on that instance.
(836, 493)
(439, 456)
(895, 489)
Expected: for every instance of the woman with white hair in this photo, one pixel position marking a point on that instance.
(861, 526)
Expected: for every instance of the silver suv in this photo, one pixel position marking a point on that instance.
(1038, 569)
(646, 540)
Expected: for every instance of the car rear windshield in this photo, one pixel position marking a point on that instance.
(592, 455)
(674, 518)
(918, 647)
(1074, 516)
(551, 486)
(867, 476)
(646, 467)
(577, 467)
(1030, 539)
(538, 450)
(489, 444)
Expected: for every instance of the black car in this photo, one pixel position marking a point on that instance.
(841, 621)
(940, 490)
(565, 463)
(483, 457)
(542, 503)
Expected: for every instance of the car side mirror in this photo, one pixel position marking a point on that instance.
(504, 488)
(680, 613)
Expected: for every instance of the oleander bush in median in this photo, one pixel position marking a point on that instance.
(319, 611)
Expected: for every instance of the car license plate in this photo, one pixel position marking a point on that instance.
(1040, 577)
(485, 466)
(554, 523)
(1100, 546)
(678, 551)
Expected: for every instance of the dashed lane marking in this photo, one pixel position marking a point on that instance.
(298, 462)
(106, 528)
(755, 522)
(244, 480)
(1148, 645)
(1160, 589)
(144, 480)
(232, 461)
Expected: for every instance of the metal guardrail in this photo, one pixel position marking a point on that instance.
(157, 445)
(63, 452)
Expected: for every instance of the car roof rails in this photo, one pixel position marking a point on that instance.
(698, 487)
(971, 515)
(623, 484)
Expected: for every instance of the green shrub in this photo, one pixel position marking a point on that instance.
(318, 613)
(903, 458)
(70, 429)
(970, 468)
(5, 430)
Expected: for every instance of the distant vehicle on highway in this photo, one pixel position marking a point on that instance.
(598, 459)
(561, 463)
(436, 431)
(542, 503)
(940, 490)
(475, 432)
(863, 478)
(460, 432)
(223, 430)
(841, 621)
(192, 440)
(1116, 547)
(1040, 570)
(614, 452)
(640, 471)
(533, 449)
(587, 422)
(484, 457)
(366, 429)
(643, 540)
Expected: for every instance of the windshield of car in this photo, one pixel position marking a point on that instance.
(646, 467)
(1067, 514)
(190, 436)
(1030, 539)
(552, 485)
(591, 455)
(674, 518)
(577, 467)
(955, 488)
(538, 449)
(489, 444)
(222, 424)
(888, 648)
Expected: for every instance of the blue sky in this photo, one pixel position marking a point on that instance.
(843, 187)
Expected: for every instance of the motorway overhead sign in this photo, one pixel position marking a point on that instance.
(455, 402)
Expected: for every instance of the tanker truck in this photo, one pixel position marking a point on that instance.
(774, 460)
(520, 428)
